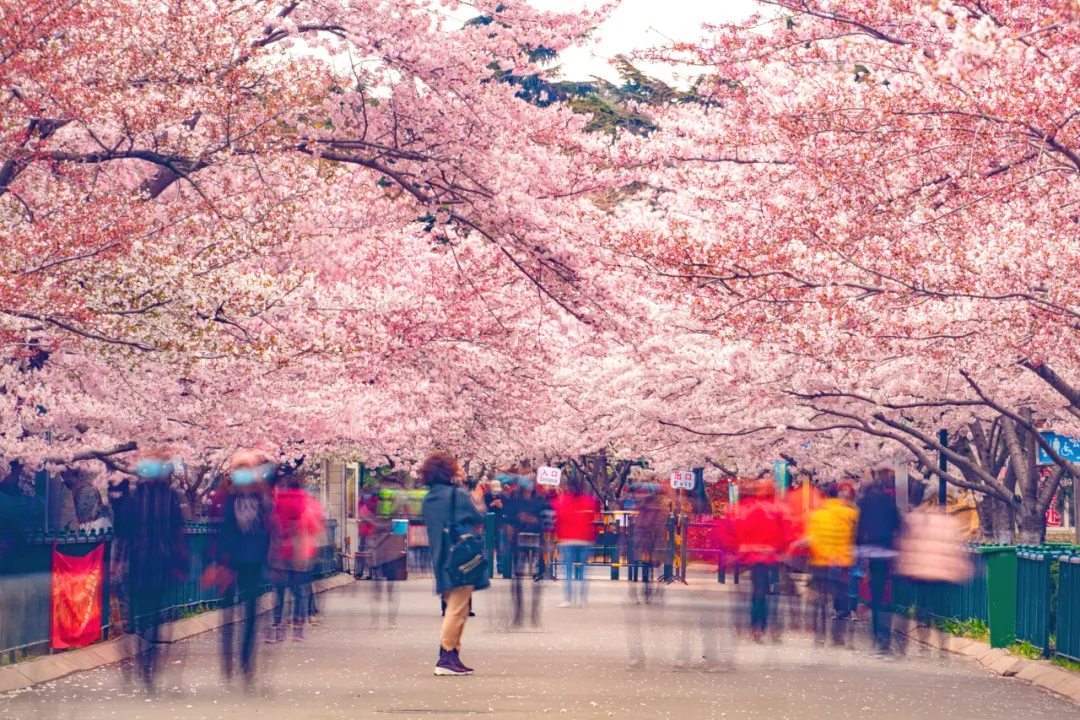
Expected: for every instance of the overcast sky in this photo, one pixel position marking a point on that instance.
(641, 23)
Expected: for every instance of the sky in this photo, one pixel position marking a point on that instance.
(640, 23)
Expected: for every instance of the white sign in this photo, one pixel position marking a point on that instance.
(548, 475)
(682, 480)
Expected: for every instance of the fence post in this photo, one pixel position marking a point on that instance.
(489, 541)
(669, 573)
(684, 540)
(616, 558)
(106, 573)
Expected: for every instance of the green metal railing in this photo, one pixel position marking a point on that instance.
(1033, 565)
(1068, 606)
(944, 601)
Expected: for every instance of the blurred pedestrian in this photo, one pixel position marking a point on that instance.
(293, 541)
(243, 547)
(316, 517)
(931, 550)
(879, 526)
(524, 514)
(575, 531)
(149, 524)
(389, 560)
(831, 536)
(650, 540)
(763, 533)
(450, 515)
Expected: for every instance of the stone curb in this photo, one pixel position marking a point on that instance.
(52, 667)
(1036, 672)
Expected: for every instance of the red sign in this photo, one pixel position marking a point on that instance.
(1053, 517)
(76, 598)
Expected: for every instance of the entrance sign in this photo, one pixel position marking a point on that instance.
(682, 480)
(548, 475)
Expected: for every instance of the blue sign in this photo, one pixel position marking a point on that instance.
(1067, 447)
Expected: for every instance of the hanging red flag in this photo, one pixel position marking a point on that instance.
(76, 598)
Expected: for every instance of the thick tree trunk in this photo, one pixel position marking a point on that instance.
(1004, 522)
(1031, 528)
(86, 498)
(984, 507)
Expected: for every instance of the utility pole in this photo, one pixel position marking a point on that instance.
(943, 465)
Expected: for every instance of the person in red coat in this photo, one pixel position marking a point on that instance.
(763, 533)
(575, 531)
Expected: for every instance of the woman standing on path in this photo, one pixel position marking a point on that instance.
(448, 506)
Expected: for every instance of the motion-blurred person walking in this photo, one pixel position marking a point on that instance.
(149, 524)
(763, 533)
(243, 546)
(879, 526)
(575, 531)
(650, 542)
(524, 513)
(451, 520)
(294, 540)
(831, 535)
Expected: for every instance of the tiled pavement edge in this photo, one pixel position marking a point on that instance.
(50, 667)
(1037, 672)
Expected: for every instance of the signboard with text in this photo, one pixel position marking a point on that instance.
(548, 475)
(682, 480)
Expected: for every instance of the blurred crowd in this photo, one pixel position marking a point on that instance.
(270, 530)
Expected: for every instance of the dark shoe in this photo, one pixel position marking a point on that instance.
(297, 633)
(447, 666)
(456, 657)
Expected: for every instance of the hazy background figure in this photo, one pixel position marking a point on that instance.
(389, 554)
(763, 533)
(931, 551)
(831, 536)
(879, 527)
(700, 618)
(242, 548)
(650, 543)
(149, 525)
(524, 513)
(293, 542)
(801, 501)
(575, 531)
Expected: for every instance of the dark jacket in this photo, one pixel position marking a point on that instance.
(879, 521)
(244, 537)
(150, 525)
(436, 511)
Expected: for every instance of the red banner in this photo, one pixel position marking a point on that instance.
(76, 598)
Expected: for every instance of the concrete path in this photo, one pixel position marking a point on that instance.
(574, 666)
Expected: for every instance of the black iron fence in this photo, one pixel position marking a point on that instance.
(26, 591)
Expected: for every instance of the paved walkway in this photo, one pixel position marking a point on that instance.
(574, 666)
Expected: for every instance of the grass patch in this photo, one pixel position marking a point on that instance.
(1066, 664)
(193, 610)
(1026, 650)
(974, 629)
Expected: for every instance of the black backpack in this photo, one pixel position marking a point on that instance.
(465, 561)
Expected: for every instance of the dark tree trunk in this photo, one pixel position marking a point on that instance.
(86, 498)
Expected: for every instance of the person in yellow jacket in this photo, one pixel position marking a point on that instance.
(831, 536)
